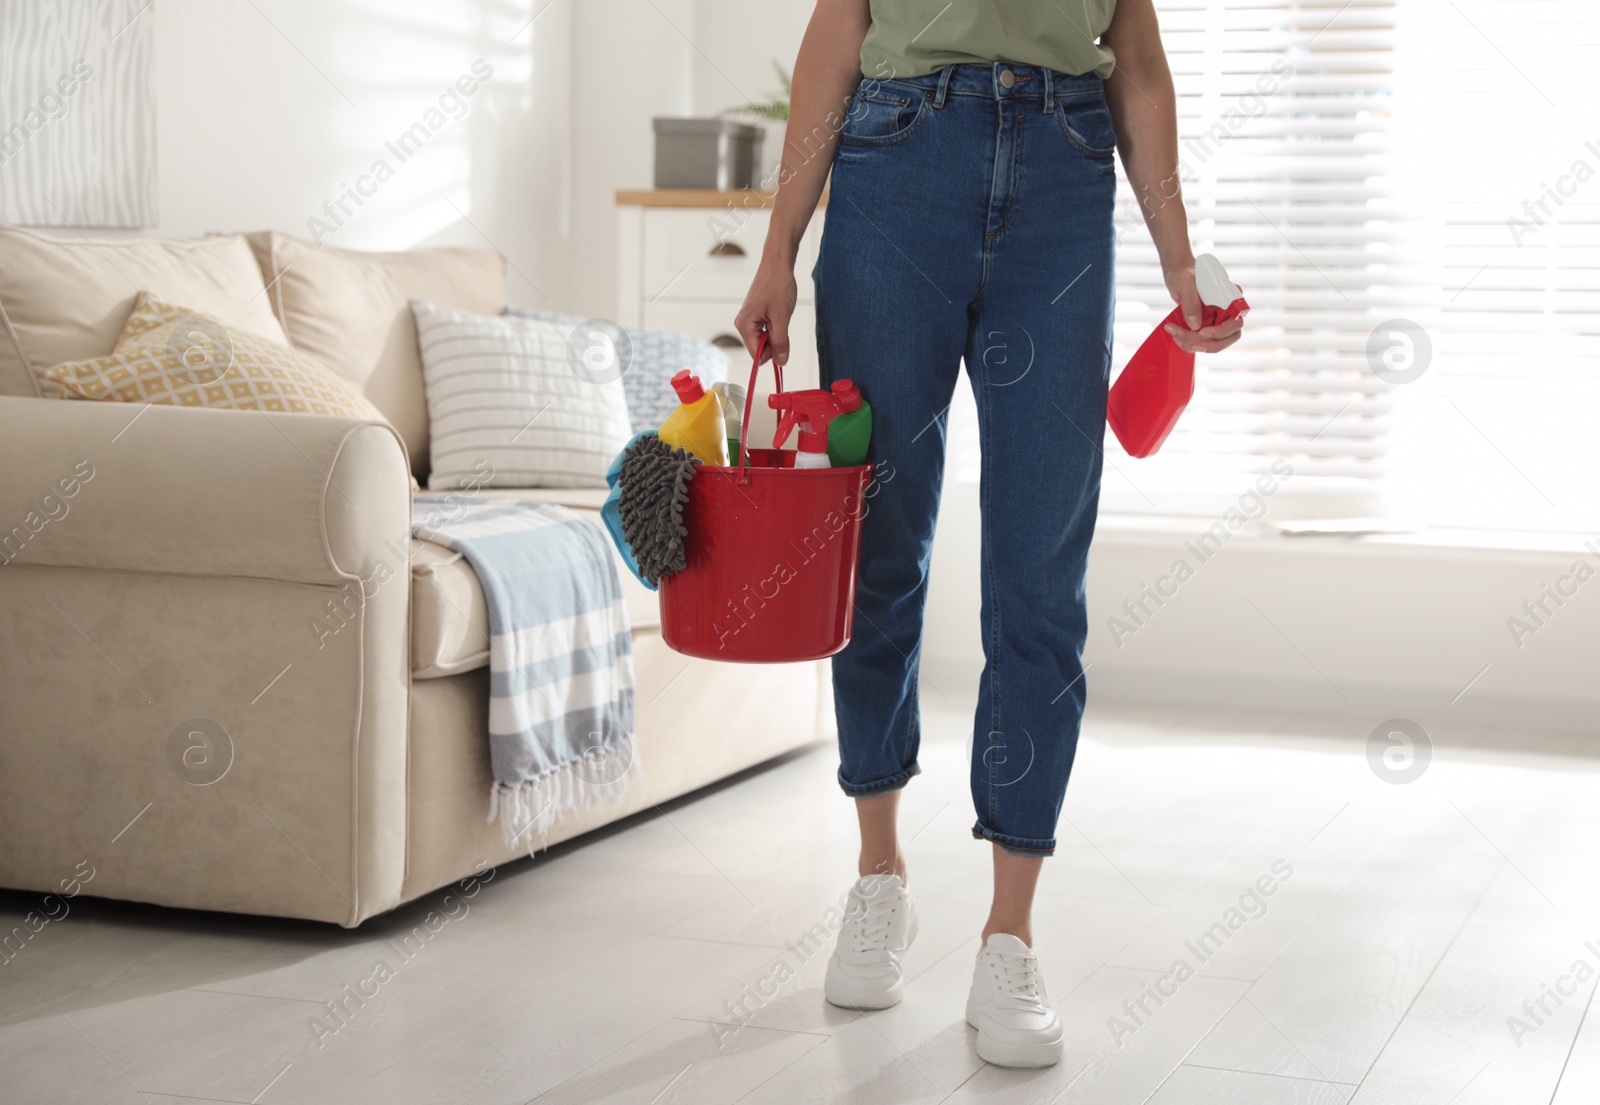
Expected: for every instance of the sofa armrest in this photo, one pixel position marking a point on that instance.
(204, 656)
(197, 492)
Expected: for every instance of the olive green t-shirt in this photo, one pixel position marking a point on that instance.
(910, 38)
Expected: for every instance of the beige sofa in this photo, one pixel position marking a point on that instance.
(170, 571)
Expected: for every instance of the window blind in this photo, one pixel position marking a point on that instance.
(1284, 111)
(1368, 169)
(1284, 116)
(1500, 148)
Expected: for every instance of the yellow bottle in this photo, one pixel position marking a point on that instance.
(696, 424)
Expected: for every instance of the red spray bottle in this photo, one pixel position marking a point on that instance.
(1158, 381)
(811, 411)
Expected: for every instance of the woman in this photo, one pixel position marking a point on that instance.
(971, 150)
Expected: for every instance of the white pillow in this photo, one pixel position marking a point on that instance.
(652, 357)
(508, 407)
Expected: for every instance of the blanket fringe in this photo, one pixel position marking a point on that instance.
(535, 807)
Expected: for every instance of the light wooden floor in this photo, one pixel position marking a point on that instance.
(1414, 921)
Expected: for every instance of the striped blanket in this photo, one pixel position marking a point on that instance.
(560, 657)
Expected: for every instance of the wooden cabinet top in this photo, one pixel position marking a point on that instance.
(698, 197)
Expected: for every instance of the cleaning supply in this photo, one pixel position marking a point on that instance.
(732, 399)
(696, 423)
(611, 509)
(653, 478)
(770, 558)
(850, 433)
(1158, 382)
(812, 411)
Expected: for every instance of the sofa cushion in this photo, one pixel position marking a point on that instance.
(352, 310)
(449, 616)
(66, 299)
(652, 358)
(506, 398)
(170, 355)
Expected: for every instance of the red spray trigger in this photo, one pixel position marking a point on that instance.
(812, 411)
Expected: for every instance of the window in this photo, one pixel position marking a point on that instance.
(1284, 112)
(1499, 154)
(1396, 185)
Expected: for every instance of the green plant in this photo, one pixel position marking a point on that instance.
(775, 108)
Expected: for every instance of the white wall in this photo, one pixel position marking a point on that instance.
(265, 115)
(634, 60)
(739, 52)
(1374, 628)
(631, 60)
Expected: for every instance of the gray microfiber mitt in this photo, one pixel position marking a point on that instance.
(654, 482)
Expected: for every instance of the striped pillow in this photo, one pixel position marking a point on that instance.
(505, 398)
(652, 358)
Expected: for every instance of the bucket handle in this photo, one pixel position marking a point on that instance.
(750, 396)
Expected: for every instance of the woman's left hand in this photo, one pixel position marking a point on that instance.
(1197, 338)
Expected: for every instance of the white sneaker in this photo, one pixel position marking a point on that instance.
(864, 971)
(1016, 1025)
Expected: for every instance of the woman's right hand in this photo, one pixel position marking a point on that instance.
(768, 306)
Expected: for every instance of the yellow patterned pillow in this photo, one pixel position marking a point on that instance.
(168, 355)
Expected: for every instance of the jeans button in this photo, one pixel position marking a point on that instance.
(1007, 78)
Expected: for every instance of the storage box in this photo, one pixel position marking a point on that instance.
(706, 153)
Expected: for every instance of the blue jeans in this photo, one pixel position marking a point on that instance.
(970, 217)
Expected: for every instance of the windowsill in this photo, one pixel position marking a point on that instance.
(1157, 528)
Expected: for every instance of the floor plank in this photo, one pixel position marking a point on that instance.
(1470, 1038)
(1105, 1061)
(1328, 1004)
(620, 967)
(1206, 1086)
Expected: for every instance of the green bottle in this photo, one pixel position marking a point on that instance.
(850, 433)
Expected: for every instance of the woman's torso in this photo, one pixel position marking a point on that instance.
(910, 38)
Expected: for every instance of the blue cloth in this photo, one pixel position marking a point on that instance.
(611, 511)
(969, 220)
(561, 681)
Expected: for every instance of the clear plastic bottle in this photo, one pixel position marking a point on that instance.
(732, 399)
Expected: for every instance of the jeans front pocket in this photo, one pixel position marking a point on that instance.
(882, 113)
(1085, 123)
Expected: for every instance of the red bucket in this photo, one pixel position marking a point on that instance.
(769, 571)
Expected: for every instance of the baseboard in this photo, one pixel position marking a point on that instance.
(957, 678)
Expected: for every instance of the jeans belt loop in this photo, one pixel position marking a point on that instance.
(944, 85)
(1049, 91)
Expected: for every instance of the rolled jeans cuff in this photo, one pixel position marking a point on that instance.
(1016, 845)
(880, 786)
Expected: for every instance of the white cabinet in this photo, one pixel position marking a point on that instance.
(685, 262)
(707, 254)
